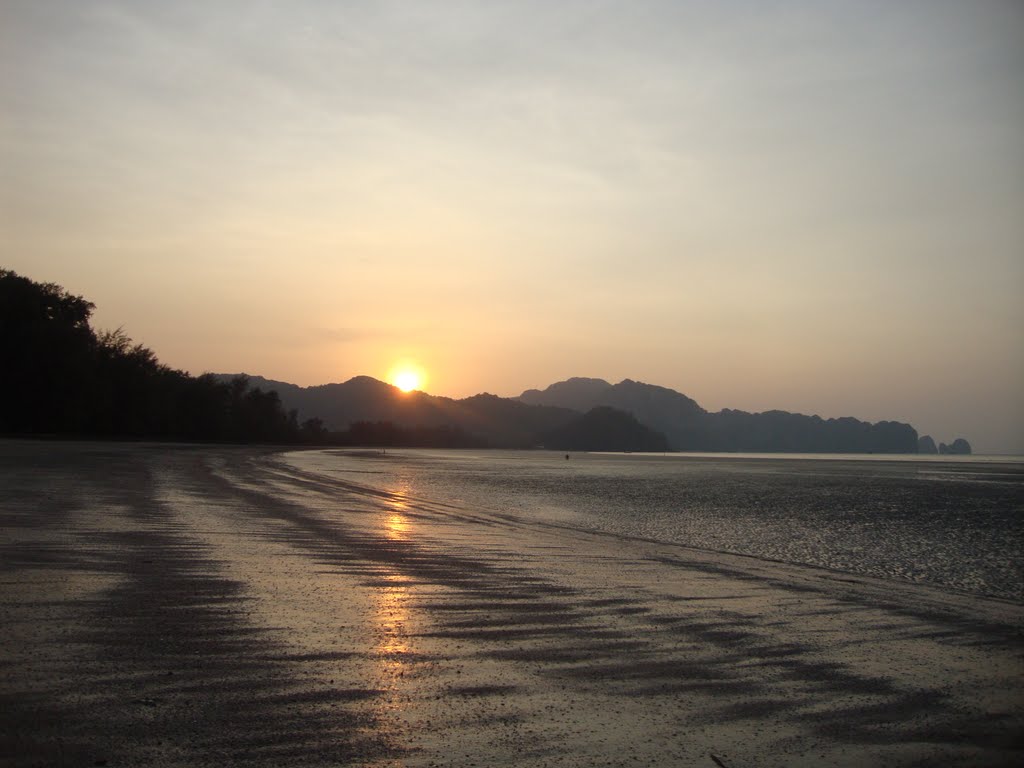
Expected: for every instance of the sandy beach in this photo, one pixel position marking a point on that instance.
(195, 606)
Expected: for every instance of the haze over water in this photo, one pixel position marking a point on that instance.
(953, 523)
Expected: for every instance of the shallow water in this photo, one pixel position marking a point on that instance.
(951, 522)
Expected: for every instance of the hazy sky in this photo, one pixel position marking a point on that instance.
(814, 206)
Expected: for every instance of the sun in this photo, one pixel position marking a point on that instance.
(407, 381)
(406, 377)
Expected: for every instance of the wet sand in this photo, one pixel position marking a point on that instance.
(210, 606)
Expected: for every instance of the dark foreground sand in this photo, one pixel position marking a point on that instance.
(210, 606)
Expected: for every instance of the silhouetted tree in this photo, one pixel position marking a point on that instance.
(60, 376)
(46, 351)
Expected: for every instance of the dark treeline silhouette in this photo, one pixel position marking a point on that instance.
(61, 377)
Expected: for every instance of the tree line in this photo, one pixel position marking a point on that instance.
(60, 376)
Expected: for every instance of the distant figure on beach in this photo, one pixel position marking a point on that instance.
(567, 456)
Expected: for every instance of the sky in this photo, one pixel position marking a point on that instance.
(813, 206)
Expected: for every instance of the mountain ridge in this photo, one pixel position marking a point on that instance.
(525, 421)
(689, 427)
(496, 421)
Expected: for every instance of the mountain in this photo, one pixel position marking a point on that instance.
(493, 420)
(689, 427)
(730, 430)
(605, 429)
(579, 394)
(659, 408)
(537, 416)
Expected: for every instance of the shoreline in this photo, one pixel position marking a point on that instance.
(200, 604)
(29, 438)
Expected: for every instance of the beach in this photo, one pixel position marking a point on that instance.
(196, 605)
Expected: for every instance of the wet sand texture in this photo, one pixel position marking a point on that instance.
(211, 606)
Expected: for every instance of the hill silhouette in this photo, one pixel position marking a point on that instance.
(605, 429)
(689, 427)
(659, 408)
(485, 419)
(537, 415)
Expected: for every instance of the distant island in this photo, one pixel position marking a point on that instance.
(63, 377)
(689, 427)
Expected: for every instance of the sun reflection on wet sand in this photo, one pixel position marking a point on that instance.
(396, 527)
(391, 615)
(391, 612)
(392, 654)
(399, 664)
(396, 520)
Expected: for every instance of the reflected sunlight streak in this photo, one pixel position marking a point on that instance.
(391, 615)
(396, 527)
(390, 611)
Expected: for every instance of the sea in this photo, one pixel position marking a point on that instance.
(954, 522)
